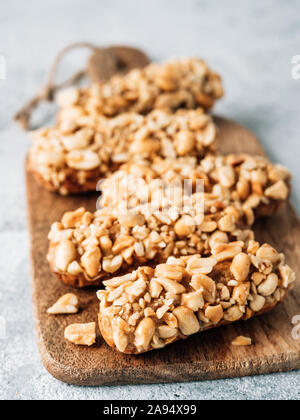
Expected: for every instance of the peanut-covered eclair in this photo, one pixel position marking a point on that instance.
(184, 83)
(147, 218)
(74, 161)
(86, 248)
(252, 182)
(150, 308)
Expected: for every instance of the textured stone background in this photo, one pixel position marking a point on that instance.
(250, 42)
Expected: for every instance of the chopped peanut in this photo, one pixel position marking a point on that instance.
(66, 304)
(83, 334)
(242, 341)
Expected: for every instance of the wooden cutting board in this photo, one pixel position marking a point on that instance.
(208, 355)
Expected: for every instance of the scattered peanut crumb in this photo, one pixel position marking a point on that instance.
(242, 341)
(83, 334)
(66, 304)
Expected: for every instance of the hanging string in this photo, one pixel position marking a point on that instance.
(49, 90)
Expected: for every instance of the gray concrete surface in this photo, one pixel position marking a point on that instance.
(250, 42)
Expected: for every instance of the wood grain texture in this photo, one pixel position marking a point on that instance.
(208, 355)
